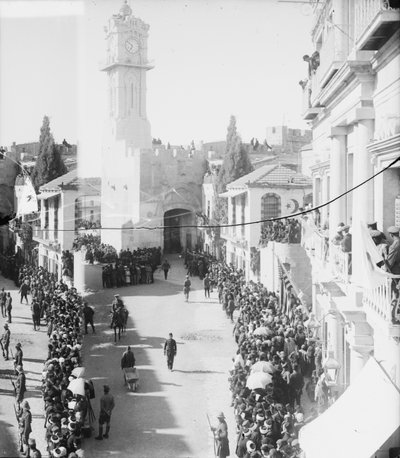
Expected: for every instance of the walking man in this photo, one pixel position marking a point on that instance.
(221, 437)
(23, 290)
(5, 341)
(88, 314)
(9, 306)
(206, 284)
(3, 296)
(35, 308)
(170, 351)
(165, 267)
(20, 385)
(18, 358)
(107, 405)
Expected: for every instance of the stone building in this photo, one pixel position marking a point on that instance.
(352, 101)
(143, 185)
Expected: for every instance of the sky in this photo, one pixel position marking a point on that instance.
(212, 59)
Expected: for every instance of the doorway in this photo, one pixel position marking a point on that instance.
(173, 221)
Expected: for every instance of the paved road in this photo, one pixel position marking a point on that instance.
(167, 416)
(34, 346)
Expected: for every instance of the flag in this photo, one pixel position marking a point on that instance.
(28, 201)
(369, 274)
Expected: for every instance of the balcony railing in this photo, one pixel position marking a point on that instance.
(381, 301)
(314, 241)
(374, 17)
(49, 235)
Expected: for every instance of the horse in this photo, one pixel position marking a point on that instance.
(117, 322)
(124, 313)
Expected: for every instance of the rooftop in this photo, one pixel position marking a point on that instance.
(71, 182)
(275, 175)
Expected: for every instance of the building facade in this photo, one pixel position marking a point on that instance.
(268, 192)
(352, 101)
(64, 203)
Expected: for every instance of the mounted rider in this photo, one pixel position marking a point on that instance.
(117, 303)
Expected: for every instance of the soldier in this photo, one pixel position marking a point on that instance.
(165, 267)
(5, 341)
(25, 421)
(206, 284)
(221, 437)
(88, 314)
(107, 405)
(3, 296)
(9, 306)
(20, 385)
(35, 309)
(116, 303)
(170, 351)
(18, 358)
(23, 290)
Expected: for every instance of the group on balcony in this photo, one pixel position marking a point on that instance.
(284, 231)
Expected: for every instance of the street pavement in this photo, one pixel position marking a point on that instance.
(34, 347)
(167, 416)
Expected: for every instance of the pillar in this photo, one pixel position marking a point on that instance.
(337, 211)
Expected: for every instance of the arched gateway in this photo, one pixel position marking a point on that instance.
(177, 236)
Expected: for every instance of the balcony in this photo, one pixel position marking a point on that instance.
(378, 303)
(375, 22)
(47, 236)
(314, 241)
(333, 53)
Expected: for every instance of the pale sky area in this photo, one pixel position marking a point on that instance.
(212, 59)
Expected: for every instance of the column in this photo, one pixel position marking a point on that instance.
(337, 211)
(363, 169)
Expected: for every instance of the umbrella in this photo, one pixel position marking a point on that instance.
(263, 366)
(262, 331)
(78, 372)
(77, 386)
(258, 380)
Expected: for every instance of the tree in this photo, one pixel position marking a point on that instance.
(49, 164)
(236, 160)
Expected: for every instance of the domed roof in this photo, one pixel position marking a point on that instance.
(125, 10)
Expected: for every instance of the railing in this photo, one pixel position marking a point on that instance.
(340, 262)
(380, 300)
(50, 235)
(313, 240)
(306, 86)
(365, 13)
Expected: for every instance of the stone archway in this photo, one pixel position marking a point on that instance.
(177, 237)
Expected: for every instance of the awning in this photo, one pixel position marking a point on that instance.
(233, 192)
(359, 422)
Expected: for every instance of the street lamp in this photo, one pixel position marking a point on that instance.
(331, 368)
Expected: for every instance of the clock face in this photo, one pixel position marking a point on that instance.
(131, 45)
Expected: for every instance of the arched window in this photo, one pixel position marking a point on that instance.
(270, 206)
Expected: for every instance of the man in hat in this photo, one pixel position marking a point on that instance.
(128, 358)
(107, 405)
(170, 351)
(5, 341)
(25, 428)
(88, 314)
(116, 303)
(221, 437)
(23, 290)
(18, 357)
(9, 306)
(20, 385)
(3, 296)
(165, 267)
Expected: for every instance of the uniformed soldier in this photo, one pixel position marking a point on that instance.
(5, 341)
(221, 437)
(170, 351)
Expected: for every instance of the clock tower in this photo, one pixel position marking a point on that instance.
(127, 131)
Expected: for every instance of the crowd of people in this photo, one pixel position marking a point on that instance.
(277, 357)
(67, 412)
(132, 268)
(95, 250)
(197, 263)
(284, 231)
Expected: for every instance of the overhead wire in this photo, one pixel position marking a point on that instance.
(249, 223)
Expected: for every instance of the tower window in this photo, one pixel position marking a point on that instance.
(132, 95)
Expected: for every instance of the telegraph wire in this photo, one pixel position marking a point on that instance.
(278, 218)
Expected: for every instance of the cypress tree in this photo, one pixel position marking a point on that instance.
(49, 164)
